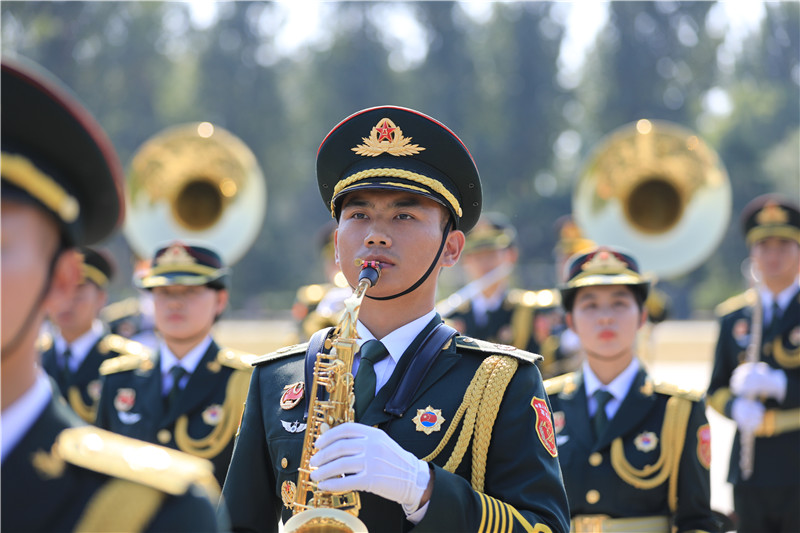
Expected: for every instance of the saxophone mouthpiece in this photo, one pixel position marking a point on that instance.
(370, 270)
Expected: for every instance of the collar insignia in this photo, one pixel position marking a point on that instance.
(386, 137)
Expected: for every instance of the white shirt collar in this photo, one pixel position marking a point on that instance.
(18, 418)
(619, 386)
(189, 361)
(783, 298)
(400, 339)
(81, 346)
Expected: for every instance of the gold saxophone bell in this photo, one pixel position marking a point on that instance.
(195, 182)
(659, 191)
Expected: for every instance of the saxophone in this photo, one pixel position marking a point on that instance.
(315, 510)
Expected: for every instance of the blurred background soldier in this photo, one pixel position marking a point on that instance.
(190, 393)
(319, 305)
(756, 375)
(635, 454)
(74, 353)
(61, 186)
(132, 317)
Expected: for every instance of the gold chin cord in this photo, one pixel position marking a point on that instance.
(330, 403)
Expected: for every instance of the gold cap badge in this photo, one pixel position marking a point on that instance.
(386, 137)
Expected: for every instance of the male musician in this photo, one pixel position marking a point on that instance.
(61, 186)
(189, 394)
(761, 391)
(72, 356)
(404, 189)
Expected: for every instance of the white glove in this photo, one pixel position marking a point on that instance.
(370, 461)
(753, 380)
(748, 414)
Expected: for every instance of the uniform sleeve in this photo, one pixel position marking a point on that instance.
(523, 488)
(694, 492)
(191, 512)
(249, 490)
(719, 395)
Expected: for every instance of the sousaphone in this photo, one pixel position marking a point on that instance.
(659, 191)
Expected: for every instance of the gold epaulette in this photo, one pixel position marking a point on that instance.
(122, 457)
(117, 310)
(134, 355)
(734, 303)
(286, 351)
(564, 382)
(235, 359)
(44, 342)
(675, 390)
(468, 344)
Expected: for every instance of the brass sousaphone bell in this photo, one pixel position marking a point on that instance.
(195, 182)
(659, 191)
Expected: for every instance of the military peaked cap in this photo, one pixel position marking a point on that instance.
(178, 263)
(401, 149)
(96, 267)
(493, 231)
(56, 155)
(602, 266)
(770, 215)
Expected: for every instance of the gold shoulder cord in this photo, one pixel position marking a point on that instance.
(521, 325)
(480, 404)
(673, 435)
(212, 444)
(786, 358)
(121, 505)
(87, 412)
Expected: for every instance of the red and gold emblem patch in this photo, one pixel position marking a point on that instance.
(428, 420)
(544, 426)
(124, 399)
(288, 490)
(740, 331)
(213, 414)
(704, 446)
(292, 394)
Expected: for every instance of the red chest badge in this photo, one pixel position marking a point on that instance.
(544, 426)
(292, 394)
(704, 445)
(428, 420)
(124, 399)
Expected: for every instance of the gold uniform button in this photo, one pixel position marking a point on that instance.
(592, 496)
(284, 462)
(595, 459)
(164, 436)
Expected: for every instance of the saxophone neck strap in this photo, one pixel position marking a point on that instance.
(417, 369)
(316, 344)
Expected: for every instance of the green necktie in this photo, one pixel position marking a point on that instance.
(66, 372)
(600, 420)
(371, 352)
(772, 330)
(177, 372)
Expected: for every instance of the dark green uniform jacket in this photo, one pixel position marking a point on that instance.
(777, 445)
(43, 490)
(600, 475)
(203, 419)
(81, 389)
(522, 476)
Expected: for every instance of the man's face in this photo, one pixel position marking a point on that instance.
(400, 230)
(27, 243)
(777, 259)
(186, 313)
(481, 262)
(75, 318)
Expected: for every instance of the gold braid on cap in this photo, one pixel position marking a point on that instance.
(20, 171)
(432, 184)
(94, 274)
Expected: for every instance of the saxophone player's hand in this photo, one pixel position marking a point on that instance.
(370, 461)
(753, 380)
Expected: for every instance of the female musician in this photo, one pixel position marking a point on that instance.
(634, 452)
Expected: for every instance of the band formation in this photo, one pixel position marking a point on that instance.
(495, 409)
